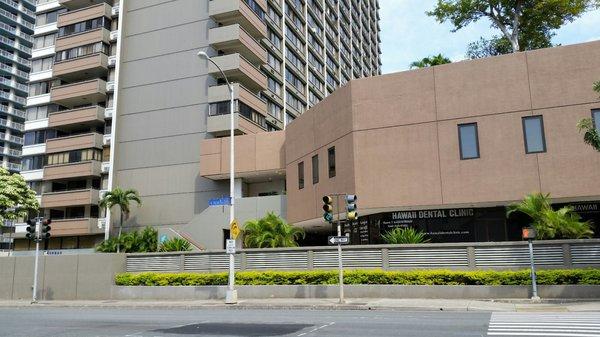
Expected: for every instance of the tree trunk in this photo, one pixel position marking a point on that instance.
(119, 237)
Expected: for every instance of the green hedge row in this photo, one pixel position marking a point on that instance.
(418, 277)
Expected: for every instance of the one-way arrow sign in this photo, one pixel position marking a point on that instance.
(338, 240)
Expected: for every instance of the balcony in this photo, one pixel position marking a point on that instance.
(220, 93)
(257, 155)
(77, 142)
(75, 118)
(5, 151)
(70, 198)
(89, 66)
(72, 170)
(81, 39)
(79, 93)
(238, 69)
(75, 227)
(12, 125)
(11, 139)
(228, 12)
(84, 14)
(11, 166)
(233, 38)
(78, 4)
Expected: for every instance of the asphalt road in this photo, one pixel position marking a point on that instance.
(109, 322)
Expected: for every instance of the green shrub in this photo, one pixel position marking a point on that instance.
(416, 277)
(131, 242)
(404, 236)
(175, 245)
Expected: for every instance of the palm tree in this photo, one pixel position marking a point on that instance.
(430, 61)
(121, 198)
(549, 223)
(271, 232)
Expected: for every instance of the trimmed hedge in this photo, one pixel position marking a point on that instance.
(417, 277)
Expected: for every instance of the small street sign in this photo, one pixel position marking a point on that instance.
(338, 240)
(230, 247)
(235, 229)
(223, 201)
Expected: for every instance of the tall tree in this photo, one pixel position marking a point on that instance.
(271, 232)
(430, 61)
(122, 199)
(524, 24)
(16, 198)
(591, 135)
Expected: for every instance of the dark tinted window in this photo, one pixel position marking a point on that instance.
(533, 132)
(315, 168)
(301, 175)
(331, 161)
(468, 141)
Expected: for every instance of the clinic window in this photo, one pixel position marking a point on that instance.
(533, 134)
(469, 141)
(315, 168)
(301, 175)
(596, 118)
(331, 161)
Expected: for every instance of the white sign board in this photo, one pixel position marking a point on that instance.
(230, 246)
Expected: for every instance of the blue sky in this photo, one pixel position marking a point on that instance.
(408, 34)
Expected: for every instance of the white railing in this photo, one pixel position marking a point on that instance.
(12, 166)
(10, 152)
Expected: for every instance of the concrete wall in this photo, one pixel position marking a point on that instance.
(68, 277)
(162, 110)
(396, 135)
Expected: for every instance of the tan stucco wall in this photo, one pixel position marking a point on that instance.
(396, 135)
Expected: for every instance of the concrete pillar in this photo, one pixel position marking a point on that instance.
(385, 259)
(471, 257)
(310, 259)
(567, 259)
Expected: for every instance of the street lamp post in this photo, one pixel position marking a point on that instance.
(231, 296)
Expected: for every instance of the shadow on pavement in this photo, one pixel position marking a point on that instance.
(236, 329)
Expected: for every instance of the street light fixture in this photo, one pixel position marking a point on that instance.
(231, 296)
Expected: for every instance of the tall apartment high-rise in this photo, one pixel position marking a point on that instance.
(132, 113)
(16, 29)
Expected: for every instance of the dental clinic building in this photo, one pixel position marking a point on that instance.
(441, 149)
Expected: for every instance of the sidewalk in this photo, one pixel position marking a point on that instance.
(332, 304)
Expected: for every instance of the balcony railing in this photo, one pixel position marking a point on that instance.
(12, 139)
(12, 125)
(12, 166)
(10, 152)
(13, 111)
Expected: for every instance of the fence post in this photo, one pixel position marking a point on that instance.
(567, 258)
(385, 258)
(243, 261)
(471, 257)
(310, 263)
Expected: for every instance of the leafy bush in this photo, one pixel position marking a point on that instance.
(131, 242)
(404, 236)
(416, 277)
(271, 232)
(175, 245)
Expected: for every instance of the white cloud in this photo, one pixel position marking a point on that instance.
(408, 34)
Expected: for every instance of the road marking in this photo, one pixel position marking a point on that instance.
(316, 329)
(568, 324)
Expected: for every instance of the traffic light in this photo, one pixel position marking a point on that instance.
(351, 207)
(46, 229)
(328, 208)
(30, 230)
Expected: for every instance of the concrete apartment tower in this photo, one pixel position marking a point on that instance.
(127, 102)
(16, 27)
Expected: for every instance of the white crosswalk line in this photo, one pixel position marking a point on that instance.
(568, 324)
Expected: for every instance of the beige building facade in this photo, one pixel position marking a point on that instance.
(444, 149)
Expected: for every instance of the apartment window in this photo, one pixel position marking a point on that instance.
(38, 137)
(47, 18)
(33, 163)
(274, 15)
(301, 175)
(81, 51)
(596, 118)
(468, 139)
(39, 88)
(294, 80)
(315, 168)
(84, 26)
(274, 86)
(331, 161)
(42, 64)
(40, 112)
(44, 41)
(274, 110)
(74, 156)
(274, 38)
(533, 134)
(288, 118)
(274, 62)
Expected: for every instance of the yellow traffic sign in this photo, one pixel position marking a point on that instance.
(235, 229)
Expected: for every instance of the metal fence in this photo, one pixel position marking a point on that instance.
(488, 255)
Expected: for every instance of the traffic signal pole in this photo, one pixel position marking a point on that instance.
(38, 232)
(341, 267)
